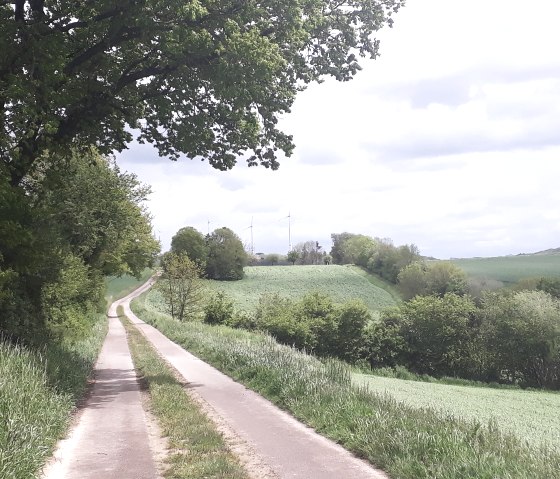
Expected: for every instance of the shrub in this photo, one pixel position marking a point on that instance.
(219, 309)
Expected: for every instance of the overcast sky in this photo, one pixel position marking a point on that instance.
(449, 140)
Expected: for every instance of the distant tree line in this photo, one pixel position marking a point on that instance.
(448, 324)
(378, 256)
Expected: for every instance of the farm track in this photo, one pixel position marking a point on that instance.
(270, 442)
(110, 437)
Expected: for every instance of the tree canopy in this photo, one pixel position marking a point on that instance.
(207, 79)
(190, 241)
(226, 256)
(60, 234)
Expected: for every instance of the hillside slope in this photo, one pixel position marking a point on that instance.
(510, 269)
(342, 283)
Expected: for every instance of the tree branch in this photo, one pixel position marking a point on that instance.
(122, 36)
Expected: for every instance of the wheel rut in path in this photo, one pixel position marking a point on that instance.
(288, 448)
(110, 437)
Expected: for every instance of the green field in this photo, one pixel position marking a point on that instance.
(342, 283)
(530, 415)
(510, 269)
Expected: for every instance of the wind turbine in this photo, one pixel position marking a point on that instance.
(251, 227)
(289, 231)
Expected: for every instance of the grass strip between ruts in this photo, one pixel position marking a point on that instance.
(407, 443)
(198, 449)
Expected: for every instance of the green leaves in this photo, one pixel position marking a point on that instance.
(209, 77)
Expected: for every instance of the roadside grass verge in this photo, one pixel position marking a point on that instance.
(406, 442)
(38, 392)
(199, 450)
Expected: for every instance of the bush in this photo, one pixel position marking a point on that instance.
(219, 310)
(437, 332)
(521, 332)
(275, 315)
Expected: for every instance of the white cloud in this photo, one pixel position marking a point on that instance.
(448, 140)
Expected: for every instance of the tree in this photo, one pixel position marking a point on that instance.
(438, 333)
(309, 252)
(412, 280)
(181, 286)
(444, 277)
(219, 309)
(226, 255)
(292, 256)
(59, 235)
(190, 241)
(436, 278)
(100, 212)
(352, 319)
(272, 258)
(207, 79)
(522, 335)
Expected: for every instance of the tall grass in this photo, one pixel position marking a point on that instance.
(404, 441)
(38, 392)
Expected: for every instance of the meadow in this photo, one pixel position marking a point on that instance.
(530, 415)
(341, 283)
(510, 269)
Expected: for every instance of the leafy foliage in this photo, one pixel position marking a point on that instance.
(522, 335)
(207, 79)
(59, 235)
(226, 255)
(218, 310)
(378, 256)
(436, 278)
(181, 286)
(190, 241)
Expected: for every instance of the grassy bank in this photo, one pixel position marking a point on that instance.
(199, 451)
(404, 441)
(38, 392)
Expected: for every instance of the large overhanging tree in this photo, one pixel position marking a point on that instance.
(207, 78)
